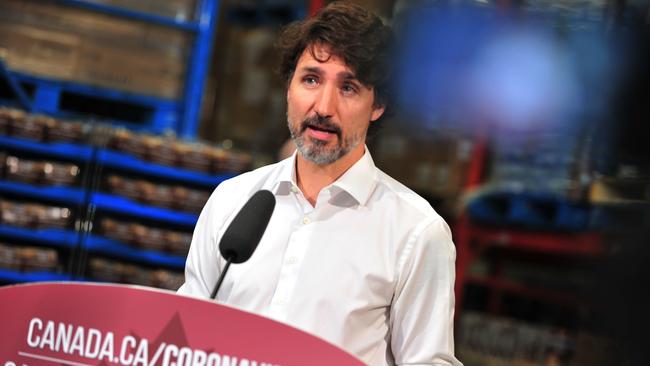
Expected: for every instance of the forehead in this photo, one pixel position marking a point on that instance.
(317, 56)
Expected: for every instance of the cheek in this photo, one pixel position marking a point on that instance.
(291, 112)
(289, 104)
(297, 105)
(359, 119)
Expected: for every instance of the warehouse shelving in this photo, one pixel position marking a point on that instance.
(192, 26)
(50, 96)
(59, 194)
(538, 210)
(102, 245)
(67, 151)
(109, 159)
(499, 285)
(266, 13)
(57, 97)
(70, 196)
(123, 206)
(473, 240)
(90, 202)
(519, 222)
(9, 276)
(569, 243)
(59, 238)
(15, 87)
(117, 160)
(157, 114)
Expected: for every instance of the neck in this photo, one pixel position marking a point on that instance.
(312, 177)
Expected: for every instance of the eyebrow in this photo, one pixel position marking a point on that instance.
(346, 75)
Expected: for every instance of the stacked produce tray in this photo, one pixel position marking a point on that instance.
(101, 203)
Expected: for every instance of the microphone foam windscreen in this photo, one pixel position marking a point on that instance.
(246, 229)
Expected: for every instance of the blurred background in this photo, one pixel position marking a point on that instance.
(524, 123)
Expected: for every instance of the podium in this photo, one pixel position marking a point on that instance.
(83, 324)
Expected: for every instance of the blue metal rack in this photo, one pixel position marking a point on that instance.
(67, 151)
(54, 237)
(132, 14)
(65, 195)
(101, 245)
(47, 95)
(123, 206)
(78, 197)
(100, 201)
(155, 114)
(198, 68)
(537, 210)
(16, 88)
(266, 12)
(9, 276)
(159, 114)
(126, 162)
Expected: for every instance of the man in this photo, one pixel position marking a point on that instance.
(350, 254)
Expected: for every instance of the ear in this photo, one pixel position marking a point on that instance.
(377, 111)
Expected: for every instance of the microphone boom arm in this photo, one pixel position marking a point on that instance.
(221, 276)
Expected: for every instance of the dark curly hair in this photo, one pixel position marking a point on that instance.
(352, 33)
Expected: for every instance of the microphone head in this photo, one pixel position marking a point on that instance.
(246, 229)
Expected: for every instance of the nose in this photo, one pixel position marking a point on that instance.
(325, 104)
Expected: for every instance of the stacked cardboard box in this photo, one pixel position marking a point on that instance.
(251, 94)
(174, 9)
(437, 166)
(488, 340)
(69, 43)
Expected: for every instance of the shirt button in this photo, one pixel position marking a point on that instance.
(280, 302)
(292, 260)
(305, 220)
(294, 189)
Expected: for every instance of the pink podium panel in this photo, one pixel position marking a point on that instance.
(79, 324)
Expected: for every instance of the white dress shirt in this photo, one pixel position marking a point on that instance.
(370, 268)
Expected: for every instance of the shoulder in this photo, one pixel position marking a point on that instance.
(413, 211)
(404, 197)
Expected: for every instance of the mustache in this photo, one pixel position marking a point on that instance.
(320, 122)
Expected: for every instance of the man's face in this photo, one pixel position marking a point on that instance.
(329, 110)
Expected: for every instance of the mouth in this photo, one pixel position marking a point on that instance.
(321, 130)
(320, 133)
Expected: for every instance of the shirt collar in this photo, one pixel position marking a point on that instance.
(358, 181)
(286, 178)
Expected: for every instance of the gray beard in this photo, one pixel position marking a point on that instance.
(317, 151)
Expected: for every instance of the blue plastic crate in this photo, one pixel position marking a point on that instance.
(537, 210)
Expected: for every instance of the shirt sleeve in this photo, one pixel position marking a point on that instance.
(202, 267)
(422, 312)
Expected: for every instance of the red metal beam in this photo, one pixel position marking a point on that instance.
(476, 168)
(524, 290)
(315, 6)
(589, 244)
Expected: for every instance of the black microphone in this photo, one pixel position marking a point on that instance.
(245, 231)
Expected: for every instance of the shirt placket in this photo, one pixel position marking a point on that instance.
(296, 249)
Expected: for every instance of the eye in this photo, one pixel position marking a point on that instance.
(309, 80)
(349, 88)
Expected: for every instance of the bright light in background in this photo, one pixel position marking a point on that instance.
(521, 79)
(467, 66)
